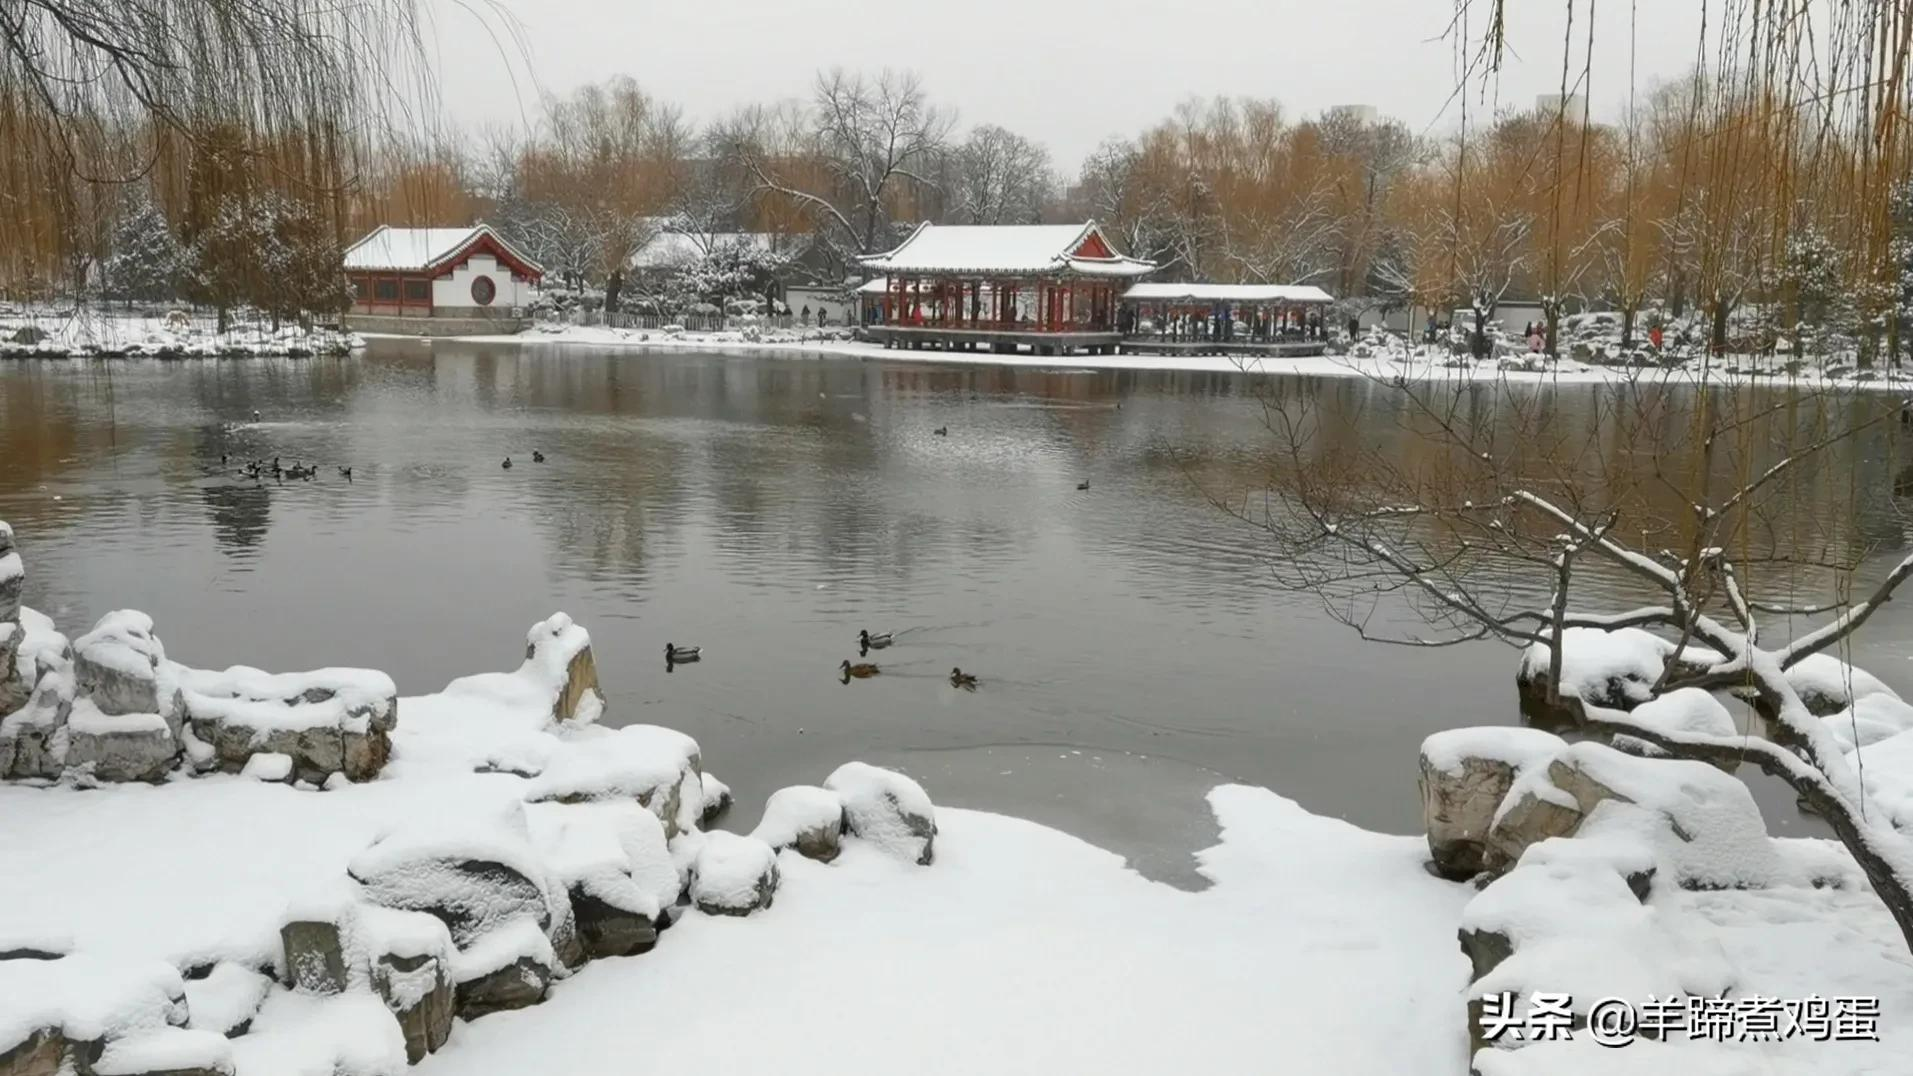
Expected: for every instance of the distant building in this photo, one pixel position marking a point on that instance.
(1365, 115)
(440, 281)
(1573, 106)
(1051, 288)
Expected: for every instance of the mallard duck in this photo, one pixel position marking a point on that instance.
(345, 473)
(681, 654)
(941, 431)
(255, 416)
(507, 464)
(875, 642)
(537, 456)
(1082, 485)
(959, 678)
(859, 671)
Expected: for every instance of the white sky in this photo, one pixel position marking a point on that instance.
(1065, 72)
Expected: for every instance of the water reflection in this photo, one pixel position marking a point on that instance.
(767, 509)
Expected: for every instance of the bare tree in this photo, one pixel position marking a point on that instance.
(1001, 178)
(868, 141)
(1483, 530)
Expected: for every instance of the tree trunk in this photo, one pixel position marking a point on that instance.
(1717, 336)
(1627, 327)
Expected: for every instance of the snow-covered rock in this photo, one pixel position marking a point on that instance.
(268, 766)
(1575, 926)
(75, 1007)
(509, 968)
(887, 809)
(1828, 685)
(1615, 669)
(1702, 823)
(167, 1051)
(804, 817)
(657, 767)
(410, 957)
(326, 721)
(129, 746)
(118, 666)
(475, 872)
(1688, 711)
(560, 653)
(716, 799)
(13, 576)
(1872, 717)
(1465, 774)
(33, 738)
(612, 861)
(733, 875)
(225, 999)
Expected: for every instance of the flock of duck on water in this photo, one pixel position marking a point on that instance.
(673, 654)
(863, 670)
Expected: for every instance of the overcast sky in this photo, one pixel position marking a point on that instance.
(1067, 73)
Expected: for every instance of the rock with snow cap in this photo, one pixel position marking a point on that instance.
(33, 738)
(613, 863)
(326, 721)
(164, 1052)
(1465, 774)
(508, 968)
(226, 998)
(119, 747)
(888, 809)
(659, 768)
(411, 957)
(560, 651)
(716, 799)
(733, 875)
(804, 817)
(13, 576)
(1703, 824)
(475, 873)
(118, 665)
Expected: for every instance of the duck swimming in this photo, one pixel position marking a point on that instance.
(959, 678)
(680, 654)
(941, 431)
(860, 671)
(507, 464)
(875, 642)
(1082, 485)
(537, 456)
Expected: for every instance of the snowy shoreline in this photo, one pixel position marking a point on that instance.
(1731, 372)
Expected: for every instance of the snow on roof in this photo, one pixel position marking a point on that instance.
(875, 287)
(1227, 293)
(423, 248)
(1004, 248)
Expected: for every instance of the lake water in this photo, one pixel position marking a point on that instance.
(1132, 647)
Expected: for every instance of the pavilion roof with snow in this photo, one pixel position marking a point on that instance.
(1245, 294)
(1007, 250)
(433, 251)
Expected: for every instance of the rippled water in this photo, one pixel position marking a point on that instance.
(1131, 644)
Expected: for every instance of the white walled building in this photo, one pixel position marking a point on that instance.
(446, 274)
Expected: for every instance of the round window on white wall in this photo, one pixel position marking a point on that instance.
(483, 290)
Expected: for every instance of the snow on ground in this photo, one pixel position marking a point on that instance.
(1321, 948)
(1418, 366)
(109, 333)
